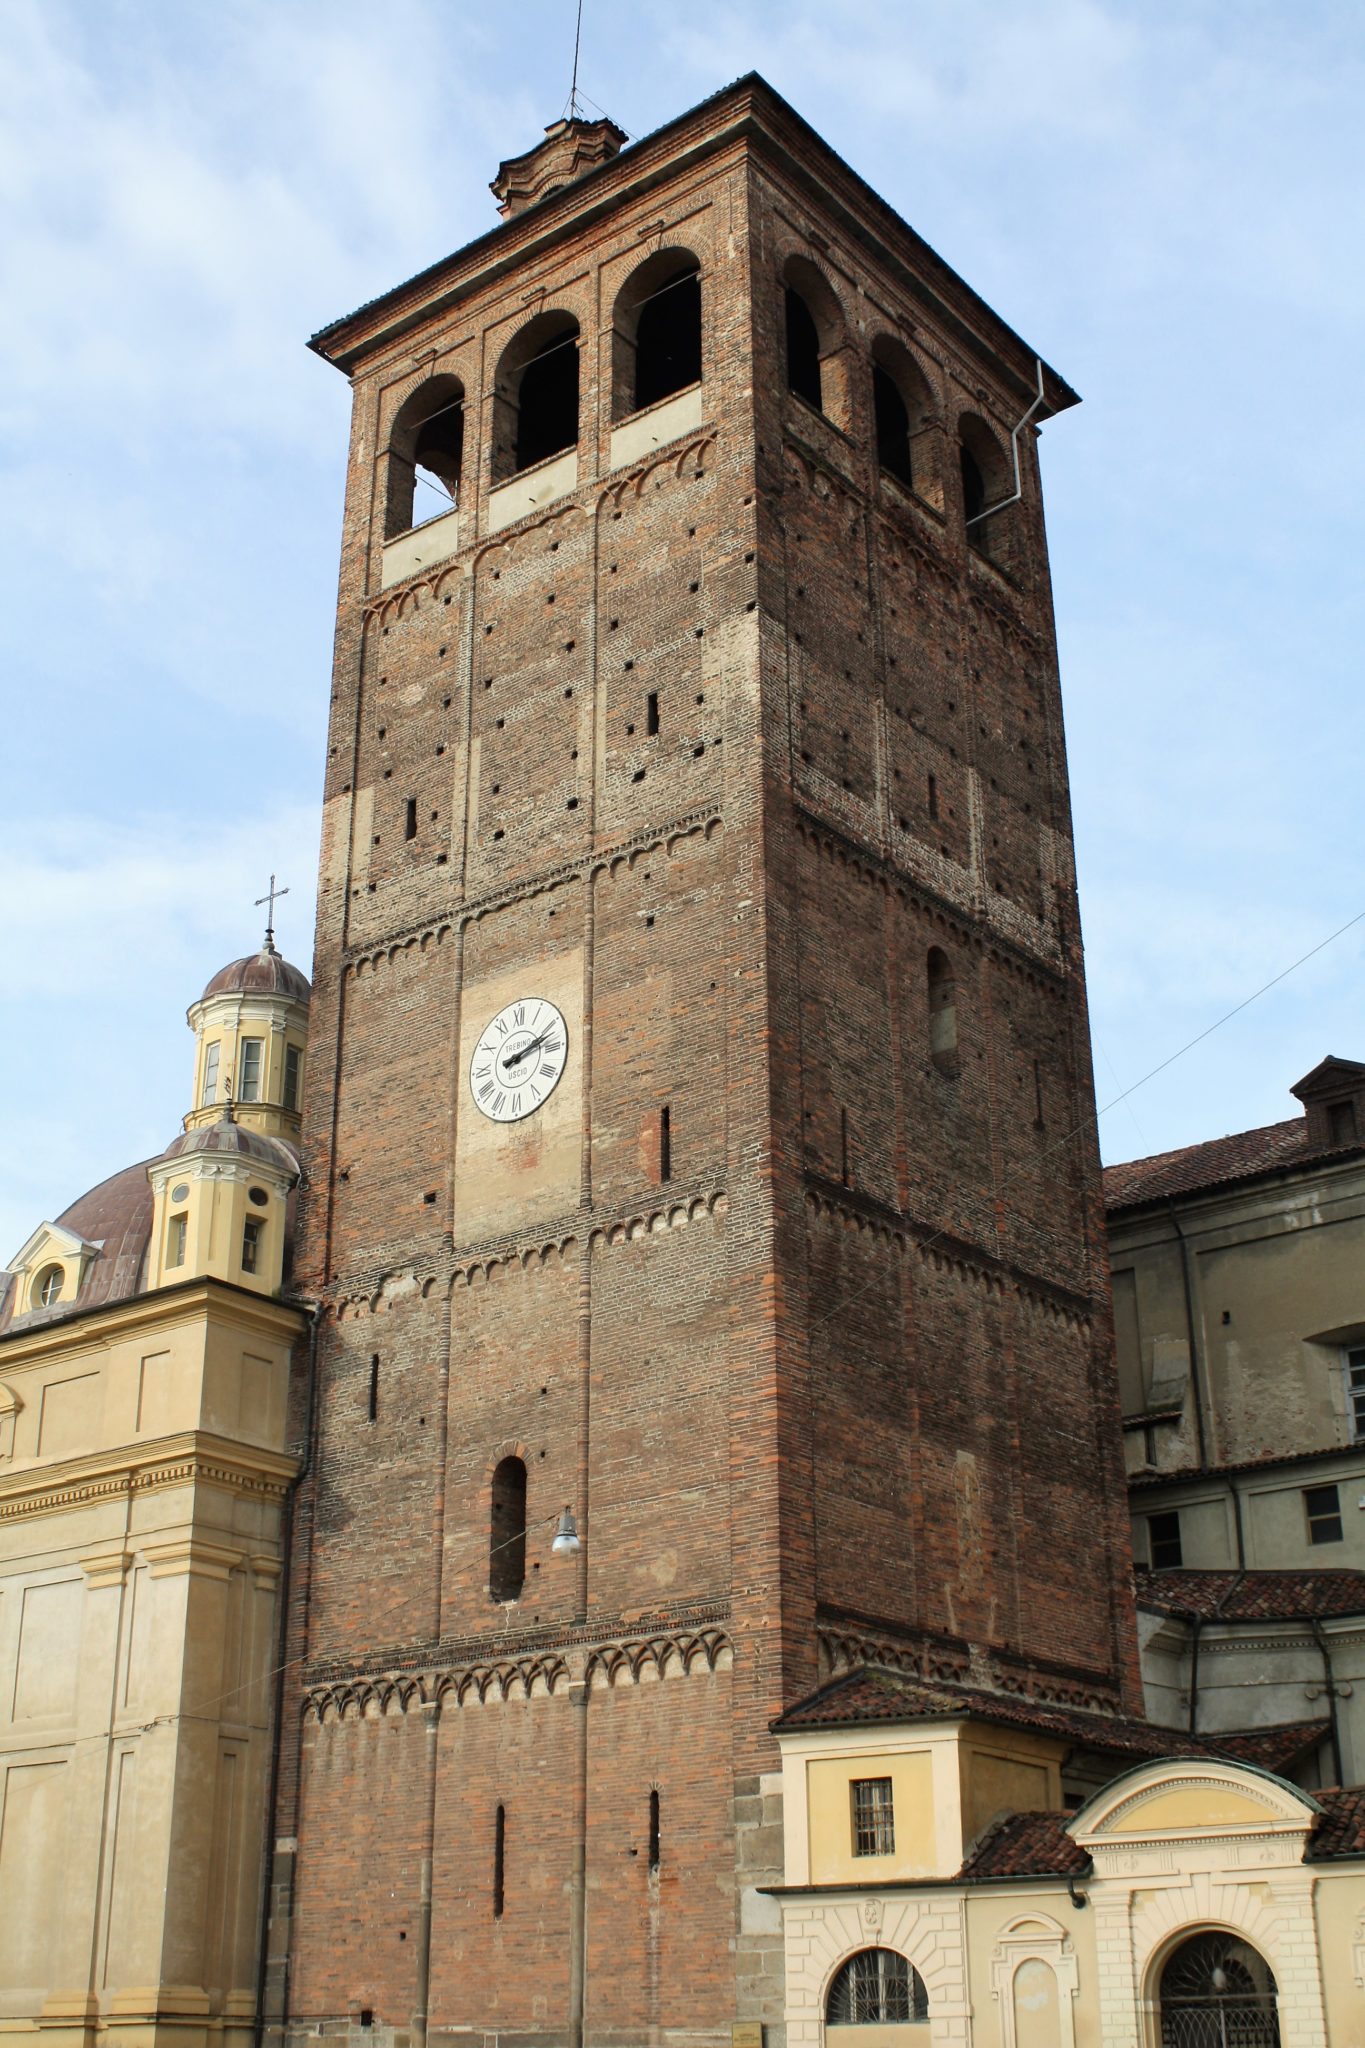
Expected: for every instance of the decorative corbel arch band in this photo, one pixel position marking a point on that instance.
(673, 463)
(606, 1666)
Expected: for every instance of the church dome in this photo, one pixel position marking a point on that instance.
(234, 1141)
(266, 973)
(115, 1220)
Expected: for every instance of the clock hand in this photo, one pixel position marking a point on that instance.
(515, 1059)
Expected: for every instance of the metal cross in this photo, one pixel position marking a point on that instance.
(271, 894)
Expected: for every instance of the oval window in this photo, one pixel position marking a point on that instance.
(257, 1195)
(181, 1193)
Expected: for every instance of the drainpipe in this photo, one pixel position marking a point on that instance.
(1330, 1691)
(1195, 1628)
(1196, 1349)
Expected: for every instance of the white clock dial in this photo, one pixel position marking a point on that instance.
(519, 1059)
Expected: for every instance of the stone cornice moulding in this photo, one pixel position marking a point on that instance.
(191, 1458)
(155, 1307)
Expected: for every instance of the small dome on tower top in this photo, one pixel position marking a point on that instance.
(266, 973)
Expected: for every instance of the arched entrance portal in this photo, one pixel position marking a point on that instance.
(1217, 1992)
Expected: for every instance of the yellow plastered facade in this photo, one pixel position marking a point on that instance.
(142, 1488)
(1176, 1847)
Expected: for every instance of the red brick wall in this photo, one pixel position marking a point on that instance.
(852, 1359)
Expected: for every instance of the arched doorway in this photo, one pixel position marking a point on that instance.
(1218, 1992)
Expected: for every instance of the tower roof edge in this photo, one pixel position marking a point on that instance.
(751, 109)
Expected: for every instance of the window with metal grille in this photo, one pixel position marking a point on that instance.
(1322, 1506)
(1355, 1387)
(874, 1828)
(1163, 1540)
(877, 1988)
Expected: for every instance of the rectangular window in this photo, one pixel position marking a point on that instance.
(176, 1240)
(209, 1093)
(253, 1230)
(874, 1829)
(499, 1862)
(1322, 1506)
(1355, 1388)
(293, 1069)
(249, 1069)
(665, 1143)
(1163, 1541)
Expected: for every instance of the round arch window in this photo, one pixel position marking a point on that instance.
(47, 1288)
(1218, 1990)
(877, 1988)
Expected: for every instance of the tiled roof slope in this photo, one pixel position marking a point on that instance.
(1038, 1845)
(1241, 1156)
(1275, 1749)
(1340, 1830)
(871, 1694)
(1252, 1596)
(1026, 1845)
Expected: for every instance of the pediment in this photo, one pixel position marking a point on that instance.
(1190, 1797)
(1332, 1076)
(51, 1241)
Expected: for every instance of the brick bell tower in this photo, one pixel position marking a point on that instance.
(700, 1095)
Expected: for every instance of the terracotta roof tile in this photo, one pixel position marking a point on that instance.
(1240, 1156)
(1340, 1829)
(1275, 1749)
(1251, 1596)
(1026, 1845)
(871, 1694)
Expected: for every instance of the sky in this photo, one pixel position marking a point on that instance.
(1163, 196)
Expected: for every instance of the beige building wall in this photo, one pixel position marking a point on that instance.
(1176, 1847)
(142, 1486)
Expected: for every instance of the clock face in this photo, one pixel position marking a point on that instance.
(519, 1059)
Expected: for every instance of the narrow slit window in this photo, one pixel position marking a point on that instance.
(507, 1531)
(374, 1388)
(654, 1830)
(844, 1163)
(933, 796)
(410, 819)
(666, 1143)
(942, 987)
(1037, 1095)
(652, 713)
(293, 1071)
(499, 1862)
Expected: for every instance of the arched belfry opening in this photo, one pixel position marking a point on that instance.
(425, 456)
(536, 394)
(815, 338)
(656, 332)
(905, 421)
(987, 481)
